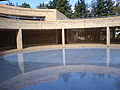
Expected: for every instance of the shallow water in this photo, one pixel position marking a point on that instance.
(80, 81)
(21, 63)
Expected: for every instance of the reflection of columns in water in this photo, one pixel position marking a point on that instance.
(21, 62)
(108, 57)
(63, 54)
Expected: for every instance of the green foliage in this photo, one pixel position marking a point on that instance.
(110, 10)
(98, 8)
(102, 8)
(61, 5)
(117, 8)
(80, 9)
(10, 4)
(42, 6)
(54, 4)
(25, 5)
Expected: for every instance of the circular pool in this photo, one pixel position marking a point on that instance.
(61, 69)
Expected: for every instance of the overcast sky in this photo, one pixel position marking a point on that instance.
(34, 3)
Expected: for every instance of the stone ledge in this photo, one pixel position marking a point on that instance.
(51, 47)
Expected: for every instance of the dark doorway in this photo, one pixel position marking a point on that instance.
(41, 37)
(115, 35)
(89, 35)
(8, 39)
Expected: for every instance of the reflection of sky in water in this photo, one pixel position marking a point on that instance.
(52, 56)
(115, 57)
(16, 64)
(37, 60)
(88, 56)
(80, 81)
(9, 68)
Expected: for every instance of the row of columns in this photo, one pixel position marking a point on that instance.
(20, 40)
(107, 36)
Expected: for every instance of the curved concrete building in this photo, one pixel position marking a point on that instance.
(25, 27)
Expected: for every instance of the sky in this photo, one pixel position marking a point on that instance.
(34, 3)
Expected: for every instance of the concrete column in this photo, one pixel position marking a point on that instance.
(19, 40)
(63, 36)
(108, 36)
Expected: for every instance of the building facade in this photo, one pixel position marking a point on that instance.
(25, 27)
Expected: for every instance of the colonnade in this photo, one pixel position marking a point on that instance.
(19, 38)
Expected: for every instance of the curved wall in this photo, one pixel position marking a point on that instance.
(54, 20)
(51, 22)
(59, 24)
(49, 14)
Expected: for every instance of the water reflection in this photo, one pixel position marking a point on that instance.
(108, 56)
(13, 65)
(63, 54)
(38, 63)
(86, 56)
(117, 84)
(8, 67)
(82, 74)
(93, 80)
(21, 62)
(79, 81)
(115, 58)
(42, 59)
(66, 77)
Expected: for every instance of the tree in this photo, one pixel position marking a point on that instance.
(110, 9)
(117, 7)
(53, 4)
(61, 5)
(25, 5)
(80, 9)
(98, 8)
(65, 8)
(102, 8)
(42, 6)
(10, 4)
